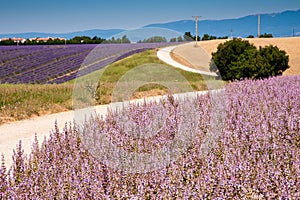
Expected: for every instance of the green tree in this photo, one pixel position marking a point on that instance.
(50, 41)
(188, 36)
(58, 41)
(97, 40)
(223, 37)
(154, 39)
(180, 39)
(237, 59)
(205, 37)
(8, 42)
(208, 37)
(266, 35)
(125, 39)
(226, 54)
(276, 59)
(80, 40)
(173, 39)
(114, 40)
(27, 42)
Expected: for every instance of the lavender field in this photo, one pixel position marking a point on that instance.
(60, 63)
(256, 155)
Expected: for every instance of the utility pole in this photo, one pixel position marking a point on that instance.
(231, 34)
(293, 32)
(196, 19)
(258, 26)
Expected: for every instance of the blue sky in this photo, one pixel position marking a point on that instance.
(58, 16)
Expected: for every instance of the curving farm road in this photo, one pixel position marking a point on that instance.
(195, 56)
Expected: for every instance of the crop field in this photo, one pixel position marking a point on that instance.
(255, 155)
(61, 63)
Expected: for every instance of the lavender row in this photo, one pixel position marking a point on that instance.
(256, 155)
(97, 66)
(42, 64)
(39, 59)
(24, 52)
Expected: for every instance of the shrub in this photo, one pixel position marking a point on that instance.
(238, 59)
(266, 35)
(208, 37)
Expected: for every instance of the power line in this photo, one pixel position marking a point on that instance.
(196, 20)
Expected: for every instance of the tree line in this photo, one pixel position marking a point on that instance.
(74, 40)
(98, 40)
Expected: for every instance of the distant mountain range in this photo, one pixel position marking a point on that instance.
(278, 24)
(282, 24)
(91, 33)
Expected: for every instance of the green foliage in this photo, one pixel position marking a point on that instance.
(276, 60)
(208, 37)
(266, 35)
(179, 39)
(85, 40)
(57, 41)
(237, 59)
(176, 39)
(250, 36)
(153, 39)
(173, 40)
(223, 37)
(8, 42)
(188, 36)
(113, 40)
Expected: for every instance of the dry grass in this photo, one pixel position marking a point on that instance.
(290, 45)
(191, 56)
(18, 102)
(181, 60)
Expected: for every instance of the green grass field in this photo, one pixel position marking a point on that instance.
(19, 102)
